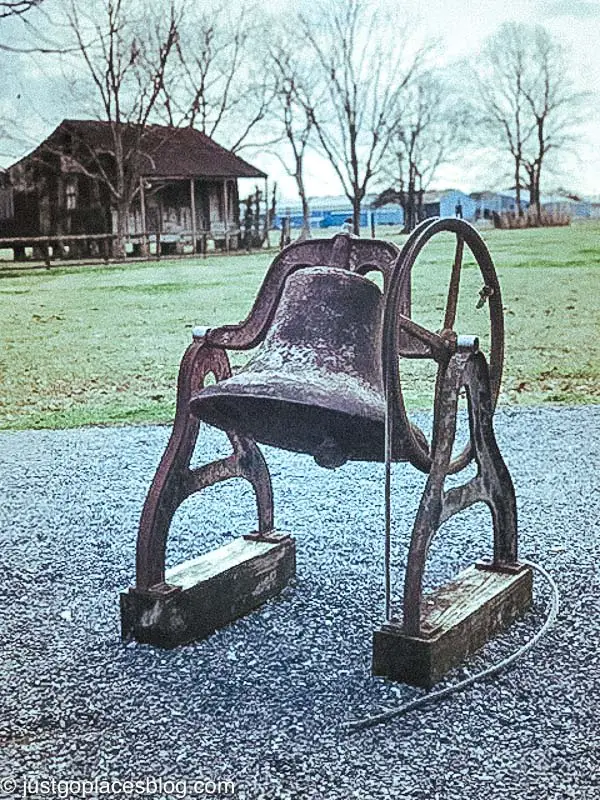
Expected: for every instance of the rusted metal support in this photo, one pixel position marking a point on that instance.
(175, 481)
(436, 632)
(175, 621)
(492, 484)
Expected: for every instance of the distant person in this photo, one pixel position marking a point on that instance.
(458, 211)
(347, 225)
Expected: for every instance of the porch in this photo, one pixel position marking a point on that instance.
(176, 216)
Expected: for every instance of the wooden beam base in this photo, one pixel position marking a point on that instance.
(456, 620)
(207, 593)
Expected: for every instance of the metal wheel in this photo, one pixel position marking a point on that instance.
(403, 338)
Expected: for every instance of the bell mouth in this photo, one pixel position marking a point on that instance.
(330, 436)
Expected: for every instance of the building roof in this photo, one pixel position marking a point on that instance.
(489, 195)
(564, 199)
(436, 195)
(168, 152)
(334, 203)
(326, 203)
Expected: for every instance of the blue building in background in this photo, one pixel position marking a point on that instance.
(559, 204)
(449, 203)
(332, 212)
(490, 203)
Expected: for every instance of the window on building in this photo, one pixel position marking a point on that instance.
(71, 194)
(7, 203)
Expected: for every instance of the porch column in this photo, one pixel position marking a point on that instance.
(267, 209)
(193, 207)
(144, 247)
(226, 212)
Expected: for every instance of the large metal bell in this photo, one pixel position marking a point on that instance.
(315, 385)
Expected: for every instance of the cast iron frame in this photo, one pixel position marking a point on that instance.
(175, 480)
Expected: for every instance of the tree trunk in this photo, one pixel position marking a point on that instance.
(356, 214)
(531, 193)
(538, 200)
(256, 220)
(538, 167)
(410, 209)
(305, 233)
(122, 196)
(410, 214)
(518, 186)
(122, 229)
(531, 186)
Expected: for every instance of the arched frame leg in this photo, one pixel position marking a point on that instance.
(492, 484)
(175, 481)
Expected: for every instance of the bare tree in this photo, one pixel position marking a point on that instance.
(126, 62)
(551, 104)
(36, 34)
(293, 89)
(362, 73)
(427, 133)
(219, 85)
(527, 102)
(500, 83)
(12, 8)
(26, 32)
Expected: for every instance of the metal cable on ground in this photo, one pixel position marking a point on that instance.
(385, 716)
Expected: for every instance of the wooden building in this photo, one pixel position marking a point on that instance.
(184, 189)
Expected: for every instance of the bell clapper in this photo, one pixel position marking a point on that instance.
(329, 454)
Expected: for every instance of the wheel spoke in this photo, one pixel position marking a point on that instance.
(452, 301)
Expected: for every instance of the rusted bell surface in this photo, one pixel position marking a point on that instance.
(315, 385)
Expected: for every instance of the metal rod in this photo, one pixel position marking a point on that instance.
(451, 303)
(441, 349)
(388, 500)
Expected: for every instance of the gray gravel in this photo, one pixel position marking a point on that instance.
(262, 702)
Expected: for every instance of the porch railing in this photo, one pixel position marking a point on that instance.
(149, 244)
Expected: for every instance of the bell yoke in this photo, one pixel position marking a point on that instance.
(326, 381)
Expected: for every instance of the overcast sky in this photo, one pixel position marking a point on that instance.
(462, 26)
(29, 85)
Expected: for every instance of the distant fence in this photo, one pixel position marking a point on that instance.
(101, 246)
(529, 219)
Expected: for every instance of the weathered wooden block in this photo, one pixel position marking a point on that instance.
(207, 593)
(456, 620)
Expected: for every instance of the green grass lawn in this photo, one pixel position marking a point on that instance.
(97, 345)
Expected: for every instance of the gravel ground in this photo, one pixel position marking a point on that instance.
(262, 702)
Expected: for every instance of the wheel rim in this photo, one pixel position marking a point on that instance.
(399, 288)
